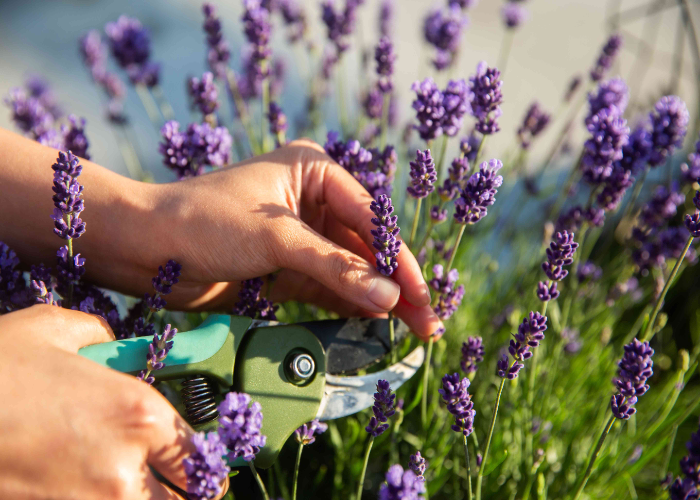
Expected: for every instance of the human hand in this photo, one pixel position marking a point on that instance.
(70, 428)
(292, 209)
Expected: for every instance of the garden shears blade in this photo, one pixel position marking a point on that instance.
(293, 370)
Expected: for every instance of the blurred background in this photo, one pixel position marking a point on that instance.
(560, 39)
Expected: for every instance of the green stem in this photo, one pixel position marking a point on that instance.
(648, 331)
(414, 228)
(563, 194)
(469, 469)
(596, 452)
(443, 153)
(242, 111)
(392, 337)
(70, 261)
(531, 403)
(669, 451)
(361, 484)
(480, 477)
(426, 375)
(506, 45)
(165, 108)
(148, 104)
(258, 480)
(385, 121)
(454, 249)
(635, 194)
(296, 472)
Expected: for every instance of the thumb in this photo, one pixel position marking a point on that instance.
(347, 274)
(66, 329)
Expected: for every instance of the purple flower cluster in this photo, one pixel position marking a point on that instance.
(372, 168)
(430, 109)
(615, 187)
(455, 100)
(486, 98)
(12, 284)
(479, 193)
(423, 175)
(690, 171)
(472, 354)
(572, 220)
(609, 133)
(239, 426)
(692, 222)
(418, 465)
(535, 121)
(218, 52)
(450, 297)
(251, 302)
(257, 29)
(188, 153)
(162, 284)
(442, 29)
(401, 485)
(385, 57)
(67, 198)
(382, 409)
(635, 154)
(662, 206)
(612, 95)
(688, 487)
(559, 254)
(206, 468)
(306, 434)
(385, 241)
(251, 78)
(294, 18)
(457, 172)
(669, 123)
(513, 14)
(130, 44)
(28, 113)
(386, 16)
(278, 123)
(340, 23)
(635, 367)
(157, 352)
(459, 402)
(94, 54)
(530, 334)
(203, 93)
(606, 58)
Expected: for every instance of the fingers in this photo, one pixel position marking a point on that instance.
(345, 273)
(422, 321)
(155, 490)
(350, 203)
(66, 329)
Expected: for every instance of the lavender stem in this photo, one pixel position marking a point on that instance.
(361, 484)
(261, 485)
(426, 376)
(414, 228)
(454, 249)
(149, 105)
(480, 477)
(385, 121)
(648, 331)
(242, 111)
(296, 471)
(531, 401)
(506, 45)
(469, 468)
(165, 108)
(596, 452)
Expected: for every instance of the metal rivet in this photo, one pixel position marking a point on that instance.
(302, 367)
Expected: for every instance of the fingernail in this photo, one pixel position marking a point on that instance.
(437, 334)
(384, 293)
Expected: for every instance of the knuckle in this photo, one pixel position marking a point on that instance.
(305, 142)
(141, 411)
(349, 269)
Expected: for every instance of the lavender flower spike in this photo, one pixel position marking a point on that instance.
(535, 121)
(383, 409)
(669, 123)
(206, 468)
(423, 175)
(204, 94)
(513, 15)
(429, 108)
(687, 487)
(606, 58)
(257, 29)
(385, 235)
(559, 254)
(459, 402)
(278, 123)
(385, 57)
(418, 464)
(219, 52)
(157, 351)
(306, 434)
(129, 40)
(401, 485)
(67, 198)
(251, 302)
(456, 103)
(635, 367)
(472, 354)
(239, 426)
(609, 134)
(479, 193)
(530, 334)
(486, 98)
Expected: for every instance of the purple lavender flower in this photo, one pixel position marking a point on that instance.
(609, 133)
(547, 291)
(606, 57)
(157, 352)
(42, 294)
(615, 187)
(683, 489)
(294, 18)
(513, 15)
(455, 100)
(401, 485)
(340, 23)
(479, 193)
(423, 175)
(67, 197)
(612, 95)
(74, 139)
(130, 44)
(203, 93)
(449, 302)
(469, 146)
(486, 98)
(635, 367)
(451, 186)
(687, 487)
(218, 53)
(635, 153)
(669, 123)
(385, 235)
(239, 426)
(418, 464)
(572, 340)
(574, 84)
(12, 283)
(386, 16)
(257, 29)
(692, 223)
(28, 114)
(385, 57)
(252, 304)
(373, 104)
(459, 402)
(306, 434)
(507, 370)
(438, 216)
(441, 282)
(662, 206)
(167, 277)
(39, 88)
(559, 254)
(472, 354)
(530, 334)
(535, 121)
(442, 29)
(69, 270)
(382, 409)
(589, 271)
(206, 468)
(278, 123)
(187, 153)
(690, 171)
(430, 109)
(52, 138)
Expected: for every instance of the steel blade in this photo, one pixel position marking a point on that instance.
(353, 344)
(348, 395)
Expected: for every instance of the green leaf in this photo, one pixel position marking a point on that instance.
(496, 463)
(233, 473)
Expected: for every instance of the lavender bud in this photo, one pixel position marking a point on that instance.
(429, 108)
(635, 367)
(306, 434)
(486, 98)
(423, 175)
(479, 193)
(401, 485)
(547, 291)
(606, 58)
(418, 464)
(385, 57)
(239, 426)
(204, 94)
(382, 409)
(513, 14)
(472, 354)
(206, 468)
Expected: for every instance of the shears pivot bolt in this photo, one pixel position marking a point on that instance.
(301, 368)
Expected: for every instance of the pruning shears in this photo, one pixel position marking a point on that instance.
(297, 372)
